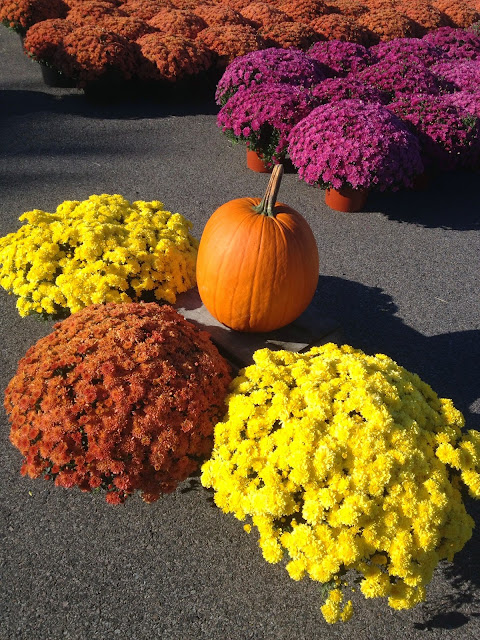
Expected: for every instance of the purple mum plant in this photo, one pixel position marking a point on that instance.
(263, 115)
(455, 43)
(340, 58)
(448, 135)
(335, 89)
(466, 101)
(406, 49)
(351, 143)
(273, 65)
(397, 75)
(464, 75)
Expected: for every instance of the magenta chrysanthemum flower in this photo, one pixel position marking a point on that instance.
(463, 74)
(406, 49)
(466, 101)
(455, 43)
(268, 66)
(263, 115)
(449, 136)
(351, 143)
(399, 76)
(340, 58)
(335, 89)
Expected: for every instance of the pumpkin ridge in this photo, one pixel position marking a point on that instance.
(224, 255)
(255, 273)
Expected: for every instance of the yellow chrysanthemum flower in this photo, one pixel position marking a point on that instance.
(345, 462)
(104, 249)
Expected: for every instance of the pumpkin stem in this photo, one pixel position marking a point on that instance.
(267, 204)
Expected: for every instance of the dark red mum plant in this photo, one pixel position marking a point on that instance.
(119, 396)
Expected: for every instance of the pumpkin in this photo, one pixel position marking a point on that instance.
(257, 263)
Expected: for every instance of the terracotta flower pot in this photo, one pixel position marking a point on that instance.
(255, 162)
(346, 199)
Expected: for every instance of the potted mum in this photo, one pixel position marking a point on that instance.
(104, 249)
(42, 43)
(340, 58)
(346, 462)
(170, 61)
(262, 116)
(100, 61)
(350, 147)
(20, 15)
(121, 397)
(271, 65)
(449, 135)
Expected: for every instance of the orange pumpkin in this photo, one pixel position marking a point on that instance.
(257, 264)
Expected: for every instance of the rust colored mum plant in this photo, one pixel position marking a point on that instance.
(19, 15)
(88, 52)
(262, 14)
(460, 13)
(45, 38)
(91, 12)
(219, 15)
(171, 58)
(304, 10)
(178, 22)
(122, 397)
(128, 27)
(290, 35)
(145, 9)
(334, 26)
(230, 41)
(385, 23)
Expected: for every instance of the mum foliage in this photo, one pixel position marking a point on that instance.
(104, 249)
(356, 144)
(345, 461)
(119, 396)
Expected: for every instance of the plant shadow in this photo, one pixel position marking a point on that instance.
(132, 106)
(449, 201)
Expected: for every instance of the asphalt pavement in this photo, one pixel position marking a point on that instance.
(401, 277)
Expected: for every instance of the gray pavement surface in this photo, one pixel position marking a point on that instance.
(401, 277)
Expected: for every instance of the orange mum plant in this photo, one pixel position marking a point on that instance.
(121, 397)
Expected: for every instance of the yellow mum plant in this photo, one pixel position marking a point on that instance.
(104, 249)
(346, 461)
